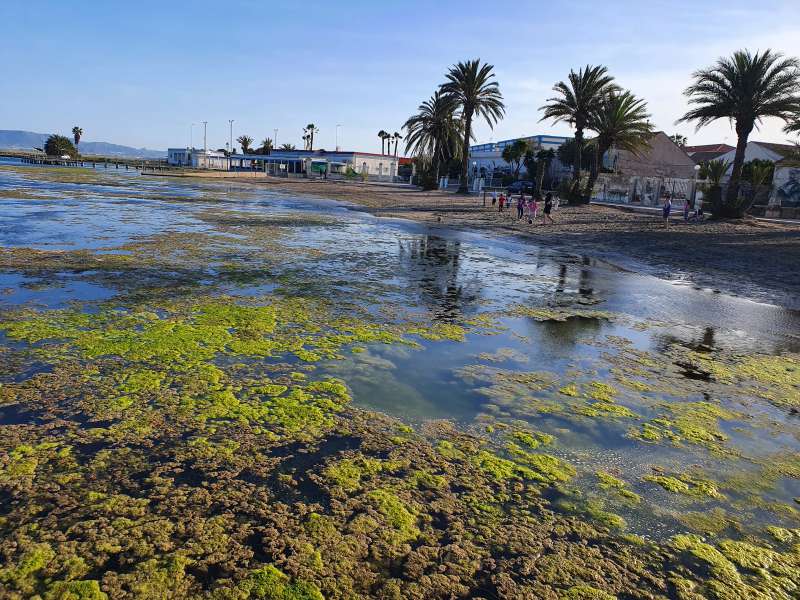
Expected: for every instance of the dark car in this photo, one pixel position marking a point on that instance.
(520, 186)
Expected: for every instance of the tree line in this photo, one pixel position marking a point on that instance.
(744, 88)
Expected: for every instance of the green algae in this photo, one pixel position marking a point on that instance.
(400, 518)
(349, 473)
(586, 592)
(269, 583)
(533, 440)
(609, 482)
(687, 485)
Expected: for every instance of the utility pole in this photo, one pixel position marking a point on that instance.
(275, 139)
(191, 136)
(205, 144)
(338, 126)
(230, 122)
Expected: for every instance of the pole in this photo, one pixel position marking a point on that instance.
(191, 136)
(275, 139)
(230, 122)
(205, 144)
(337, 137)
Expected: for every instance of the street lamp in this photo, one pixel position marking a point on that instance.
(191, 136)
(205, 144)
(694, 187)
(338, 126)
(275, 139)
(230, 140)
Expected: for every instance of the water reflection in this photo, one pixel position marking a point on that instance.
(432, 267)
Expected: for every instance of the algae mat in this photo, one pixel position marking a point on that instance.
(214, 391)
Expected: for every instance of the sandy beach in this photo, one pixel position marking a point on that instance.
(753, 258)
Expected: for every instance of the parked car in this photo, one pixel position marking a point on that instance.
(520, 186)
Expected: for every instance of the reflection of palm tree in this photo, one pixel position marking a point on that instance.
(432, 265)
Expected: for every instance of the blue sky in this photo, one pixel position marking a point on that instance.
(140, 73)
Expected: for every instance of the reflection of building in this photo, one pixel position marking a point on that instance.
(197, 159)
(489, 157)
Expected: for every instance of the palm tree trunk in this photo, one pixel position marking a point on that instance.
(463, 186)
(576, 166)
(599, 151)
(731, 207)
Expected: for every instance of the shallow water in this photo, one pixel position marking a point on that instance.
(449, 277)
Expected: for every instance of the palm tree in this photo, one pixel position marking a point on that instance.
(288, 147)
(793, 126)
(266, 146)
(310, 130)
(744, 88)
(382, 134)
(621, 121)
(396, 137)
(471, 87)
(544, 159)
(245, 141)
(680, 140)
(77, 132)
(576, 101)
(434, 133)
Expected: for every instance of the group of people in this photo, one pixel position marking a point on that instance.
(688, 214)
(528, 207)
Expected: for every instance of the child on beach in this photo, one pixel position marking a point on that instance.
(534, 208)
(520, 206)
(501, 202)
(548, 207)
(666, 210)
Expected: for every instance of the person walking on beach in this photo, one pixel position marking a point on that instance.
(535, 207)
(501, 202)
(520, 206)
(667, 209)
(548, 208)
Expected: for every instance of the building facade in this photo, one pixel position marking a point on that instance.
(198, 159)
(488, 158)
(661, 170)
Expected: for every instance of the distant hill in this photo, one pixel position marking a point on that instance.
(26, 140)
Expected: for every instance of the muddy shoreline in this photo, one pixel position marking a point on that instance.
(753, 259)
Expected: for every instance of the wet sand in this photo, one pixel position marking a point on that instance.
(752, 258)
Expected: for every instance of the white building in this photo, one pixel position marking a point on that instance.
(198, 159)
(487, 158)
(310, 163)
(761, 151)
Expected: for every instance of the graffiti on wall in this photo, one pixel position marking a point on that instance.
(786, 186)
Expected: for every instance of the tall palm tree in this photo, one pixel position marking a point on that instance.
(245, 141)
(310, 130)
(266, 146)
(744, 88)
(793, 126)
(472, 89)
(575, 102)
(77, 132)
(621, 121)
(396, 137)
(434, 133)
(288, 147)
(382, 134)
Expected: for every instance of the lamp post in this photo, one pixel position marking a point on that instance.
(205, 144)
(230, 140)
(275, 139)
(191, 136)
(338, 126)
(694, 186)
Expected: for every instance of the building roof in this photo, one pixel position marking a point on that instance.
(706, 155)
(783, 150)
(719, 148)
